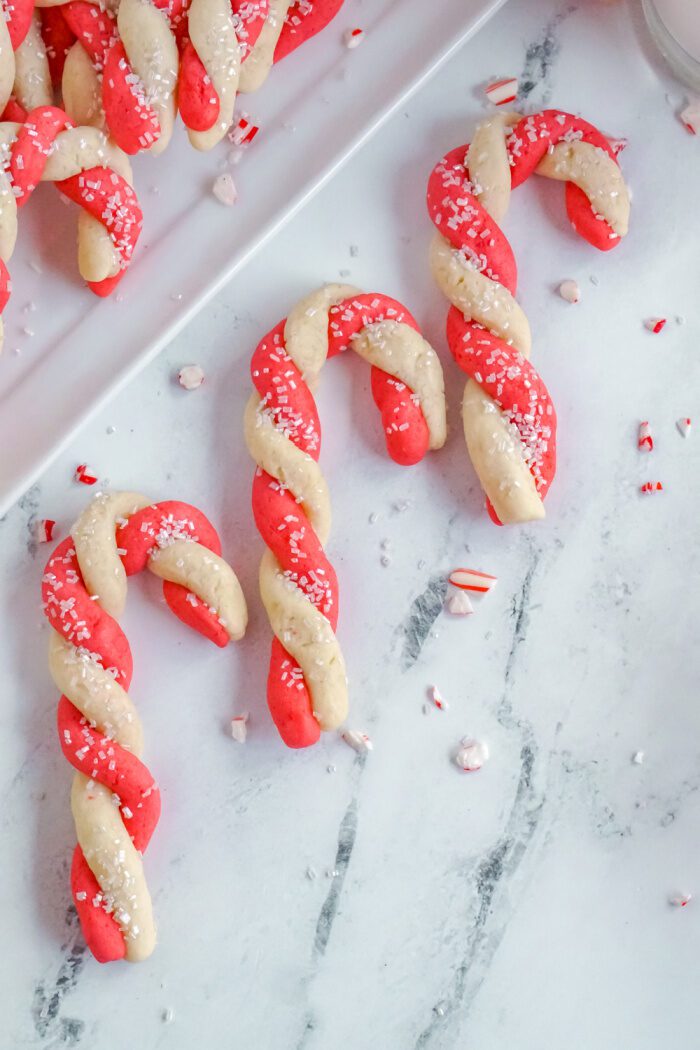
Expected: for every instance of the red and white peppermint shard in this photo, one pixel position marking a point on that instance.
(239, 727)
(501, 92)
(85, 474)
(570, 291)
(690, 116)
(353, 37)
(471, 580)
(617, 145)
(683, 426)
(645, 441)
(244, 131)
(459, 605)
(360, 742)
(652, 486)
(471, 755)
(44, 530)
(438, 699)
(680, 900)
(655, 324)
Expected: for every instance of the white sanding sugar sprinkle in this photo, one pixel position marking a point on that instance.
(357, 740)
(190, 377)
(471, 754)
(638, 758)
(570, 291)
(224, 189)
(239, 727)
(458, 604)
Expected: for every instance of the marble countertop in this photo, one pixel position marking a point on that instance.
(526, 905)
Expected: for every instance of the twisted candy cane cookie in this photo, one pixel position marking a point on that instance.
(307, 688)
(115, 800)
(508, 416)
(87, 170)
(139, 60)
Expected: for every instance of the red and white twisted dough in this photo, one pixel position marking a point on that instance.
(88, 170)
(508, 416)
(115, 800)
(307, 687)
(138, 61)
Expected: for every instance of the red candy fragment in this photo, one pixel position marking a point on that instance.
(85, 474)
(655, 324)
(645, 441)
(651, 486)
(44, 530)
(244, 131)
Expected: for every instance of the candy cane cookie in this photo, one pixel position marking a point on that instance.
(508, 416)
(307, 688)
(87, 170)
(114, 798)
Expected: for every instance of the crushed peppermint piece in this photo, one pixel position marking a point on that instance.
(239, 727)
(353, 37)
(501, 92)
(471, 580)
(85, 474)
(438, 699)
(459, 604)
(224, 189)
(570, 291)
(690, 116)
(683, 426)
(651, 486)
(680, 900)
(471, 754)
(43, 530)
(645, 441)
(617, 145)
(360, 742)
(191, 377)
(655, 324)
(244, 131)
(638, 758)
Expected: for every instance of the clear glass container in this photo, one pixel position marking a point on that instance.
(675, 27)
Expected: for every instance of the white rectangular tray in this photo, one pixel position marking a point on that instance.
(67, 352)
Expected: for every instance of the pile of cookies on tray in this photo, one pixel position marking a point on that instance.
(85, 85)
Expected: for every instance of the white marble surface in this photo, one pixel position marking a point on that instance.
(526, 905)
